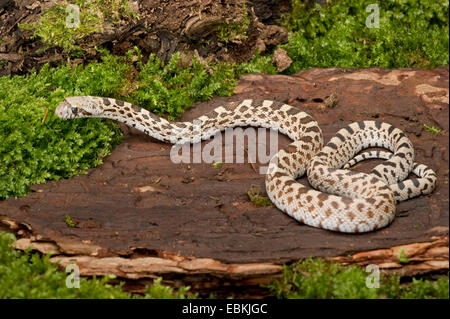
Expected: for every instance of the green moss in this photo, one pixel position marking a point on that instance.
(69, 222)
(256, 198)
(401, 257)
(316, 278)
(427, 289)
(52, 27)
(431, 129)
(170, 89)
(262, 201)
(27, 275)
(411, 33)
(234, 31)
(37, 147)
(258, 64)
(217, 164)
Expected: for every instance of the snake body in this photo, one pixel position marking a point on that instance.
(343, 200)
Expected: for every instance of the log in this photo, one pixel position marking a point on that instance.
(139, 215)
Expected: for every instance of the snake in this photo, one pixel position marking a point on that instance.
(338, 199)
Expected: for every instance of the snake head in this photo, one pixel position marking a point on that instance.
(79, 106)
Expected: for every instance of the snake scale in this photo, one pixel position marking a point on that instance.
(342, 200)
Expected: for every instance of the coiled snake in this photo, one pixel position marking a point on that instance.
(343, 200)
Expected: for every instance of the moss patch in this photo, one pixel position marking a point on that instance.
(62, 25)
(234, 31)
(411, 33)
(254, 194)
(319, 279)
(26, 275)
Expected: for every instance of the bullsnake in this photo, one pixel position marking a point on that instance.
(343, 200)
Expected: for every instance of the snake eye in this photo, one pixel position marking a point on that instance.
(74, 110)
